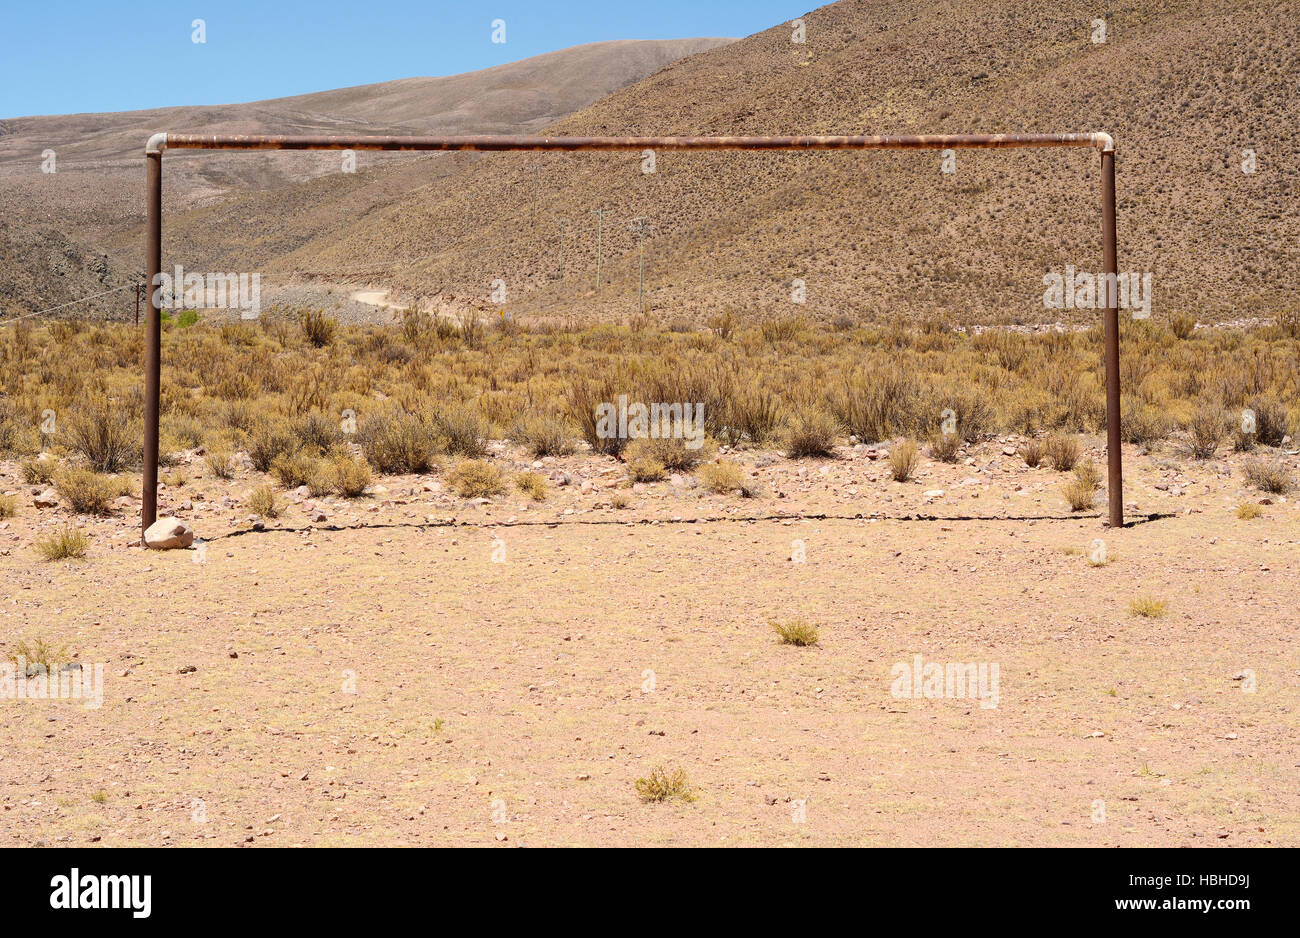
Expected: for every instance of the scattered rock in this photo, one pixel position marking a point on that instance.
(168, 534)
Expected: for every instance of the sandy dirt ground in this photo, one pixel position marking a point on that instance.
(419, 669)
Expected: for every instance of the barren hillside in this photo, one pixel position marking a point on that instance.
(1184, 87)
(55, 222)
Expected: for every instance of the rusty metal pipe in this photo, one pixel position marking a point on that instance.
(490, 143)
(1110, 266)
(152, 340)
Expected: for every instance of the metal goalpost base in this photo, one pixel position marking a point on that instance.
(162, 141)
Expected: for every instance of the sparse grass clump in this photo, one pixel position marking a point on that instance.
(795, 632)
(1148, 608)
(811, 435)
(295, 469)
(1062, 451)
(646, 469)
(269, 439)
(104, 432)
(903, 460)
(39, 471)
(477, 478)
(1249, 511)
(532, 484)
(86, 492)
(1207, 428)
(721, 477)
(1143, 423)
(459, 430)
(673, 455)
(67, 543)
(1081, 496)
(8, 506)
(263, 502)
(1082, 490)
(1182, 325)
(1032, 452)
(348, 476)
(945, 447)
(662, 785)
(220, 462)
(398, 442)
(39, 651)
(1269, 476)
(545, 436)
(317, 328)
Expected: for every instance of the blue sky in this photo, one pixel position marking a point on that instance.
(68, 57)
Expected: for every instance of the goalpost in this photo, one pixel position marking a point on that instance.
(163, 141)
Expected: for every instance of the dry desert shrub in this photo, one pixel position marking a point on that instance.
(262, 501)
(662, 785)
(295, 469)
(67, 543)
(794, 632)
(220, 462)
(395, 441)
(457, 430)
(1062, 451)
(811, 434)
(87, 492)
(544, 436)
(347, 475)
(1148, 607)
(105, 434)
(1207, 427)
(903, 460)
(722, 477)
(945, 447)
(1082, 490)
(269, 439)
(318, 328)
(39, 651)
(646, 469)
(673, 455)
(477, 478)
(1182, 325)
(878, 404)
(1269, 475)
(1143, 424)
(532, 484)
(39, 470)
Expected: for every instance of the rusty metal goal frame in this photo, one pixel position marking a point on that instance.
(164, 141)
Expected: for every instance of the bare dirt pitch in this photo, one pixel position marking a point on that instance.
(517, 702)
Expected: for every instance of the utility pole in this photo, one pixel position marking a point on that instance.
(563, 223)
(600, 218)
(640, 227)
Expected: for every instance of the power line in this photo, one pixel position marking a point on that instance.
(51, 309)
